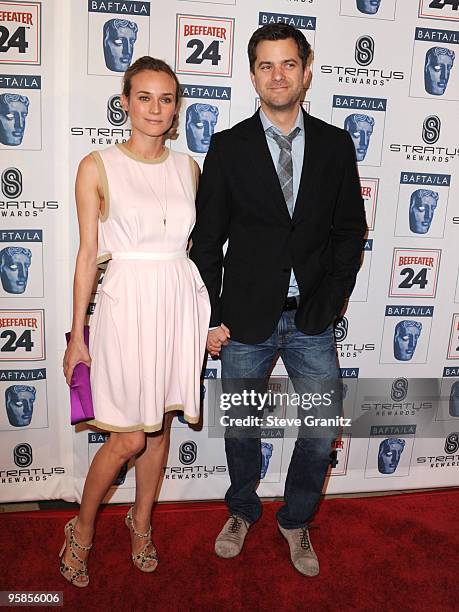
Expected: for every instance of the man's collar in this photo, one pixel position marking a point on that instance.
(267, 123)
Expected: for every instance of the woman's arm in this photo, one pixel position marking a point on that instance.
(88, 201)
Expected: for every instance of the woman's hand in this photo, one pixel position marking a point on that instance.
(77, 352)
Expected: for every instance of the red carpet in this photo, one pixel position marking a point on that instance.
(381, 553)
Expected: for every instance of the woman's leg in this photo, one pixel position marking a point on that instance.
(107, 462)
(148, 471)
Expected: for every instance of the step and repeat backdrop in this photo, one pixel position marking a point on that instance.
(387, 71)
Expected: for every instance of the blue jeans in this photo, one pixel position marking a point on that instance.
(306, 359)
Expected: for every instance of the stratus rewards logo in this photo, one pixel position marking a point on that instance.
(364, 71)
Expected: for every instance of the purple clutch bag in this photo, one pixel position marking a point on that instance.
(80, 389)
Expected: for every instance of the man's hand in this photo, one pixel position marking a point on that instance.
(216, 338)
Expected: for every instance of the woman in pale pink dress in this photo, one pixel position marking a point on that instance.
(135, 205)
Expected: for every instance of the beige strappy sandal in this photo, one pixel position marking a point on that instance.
(148, 553)
(70, 573)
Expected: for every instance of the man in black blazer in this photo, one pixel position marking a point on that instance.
(282, 188)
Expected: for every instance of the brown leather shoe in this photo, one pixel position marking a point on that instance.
(231, 538)
(302, 554)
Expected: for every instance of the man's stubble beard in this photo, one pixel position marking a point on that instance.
(294, 101)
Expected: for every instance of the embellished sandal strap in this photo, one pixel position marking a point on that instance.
(75, 573)
(137, 534)
(143, 556)
(74, 542)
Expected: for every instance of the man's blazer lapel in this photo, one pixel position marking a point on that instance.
(311, 163)
(265, 173)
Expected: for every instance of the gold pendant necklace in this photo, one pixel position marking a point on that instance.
(163, 208)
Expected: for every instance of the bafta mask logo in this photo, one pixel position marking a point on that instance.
(119, 36)
(19, 400)
(423, 203)
(360, 127)
(454, 400)
(368, 7)
(200, 123)
(437, 70)
(121, 477)
(13, 112)
(390, 451)
(406, 336)
(266, 454)
(14, 268)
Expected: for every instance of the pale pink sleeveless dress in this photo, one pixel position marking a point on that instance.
(149, 328)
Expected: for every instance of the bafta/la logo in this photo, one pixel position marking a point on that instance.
(389, 453)
(116, 114)
(188, 452)
(454, 400)
(14, 109)
(399, 389)
(431, 129)
(19, 401)
(423, 203)
(266, 454)
(364, 50)
(340, 328)
(11, 183)
(119, 37)
(437, 70)
(368, 7)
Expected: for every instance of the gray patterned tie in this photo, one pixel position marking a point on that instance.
(285, 164)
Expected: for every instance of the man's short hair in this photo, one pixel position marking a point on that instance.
(278, 31)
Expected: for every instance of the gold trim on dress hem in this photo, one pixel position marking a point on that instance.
(141, 427)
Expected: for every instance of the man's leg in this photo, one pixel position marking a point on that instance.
(244, 368)
(312, 365)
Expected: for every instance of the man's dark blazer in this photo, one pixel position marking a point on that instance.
(240, 199)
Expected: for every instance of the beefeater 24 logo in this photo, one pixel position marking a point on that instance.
(204, 45)
(20, 33)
